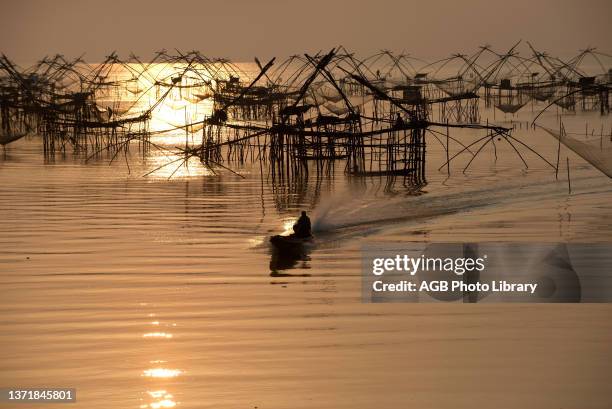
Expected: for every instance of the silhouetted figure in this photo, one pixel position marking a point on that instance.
(302, 228)
(399, 121)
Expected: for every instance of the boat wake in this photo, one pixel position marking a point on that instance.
(337, 219)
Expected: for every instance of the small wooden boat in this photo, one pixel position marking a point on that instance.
(291, 243)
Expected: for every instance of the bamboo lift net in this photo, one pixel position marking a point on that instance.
(597, 155)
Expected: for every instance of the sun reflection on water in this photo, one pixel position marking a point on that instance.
(162, 373)
(157, 396)
(157, 335)
(175, 166)
(163, 399)
(288, 226)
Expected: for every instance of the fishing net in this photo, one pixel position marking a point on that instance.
(329, 94)
(596, 154)
(568, 102)
(510, 108)
(542, 95)
(337, 109)
(456, 87)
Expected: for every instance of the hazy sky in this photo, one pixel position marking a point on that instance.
(241, 29)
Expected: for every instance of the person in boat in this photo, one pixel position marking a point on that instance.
(302, 228)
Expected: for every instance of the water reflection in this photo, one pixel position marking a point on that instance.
(304, 183)
(157, 335)
(160, 399)
(157, 396)
(162, 373)
(175, 166)
(287, 259)
(389, 185)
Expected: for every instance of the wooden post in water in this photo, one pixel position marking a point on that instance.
(559, 150)
(447, 150)
(569, 182)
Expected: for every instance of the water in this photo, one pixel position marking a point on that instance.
(144, 292)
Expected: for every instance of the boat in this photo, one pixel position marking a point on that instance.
(291, 243)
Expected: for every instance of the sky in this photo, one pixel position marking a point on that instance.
(243, 29)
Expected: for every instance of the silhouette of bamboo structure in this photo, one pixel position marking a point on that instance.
(373, 113)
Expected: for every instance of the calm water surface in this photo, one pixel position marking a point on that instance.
(144, 292)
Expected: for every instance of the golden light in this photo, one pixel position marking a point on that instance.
(288, 226)
(157, 394)
(165, 400)
(157, 335)
(175, 166)
(180, 97)
(166, 403)
(188, 101)
(162, 373)
(257, 241)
